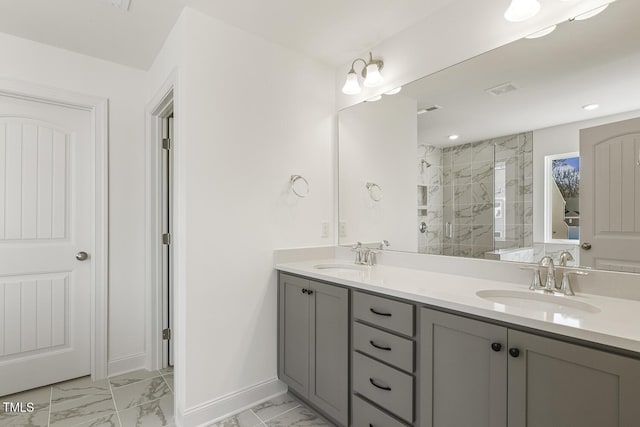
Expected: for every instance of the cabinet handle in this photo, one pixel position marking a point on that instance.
(496, 346)
(310, 291)
(373, 383)
(304, 291)
(514, 352)
(373, 310)
(379, 347)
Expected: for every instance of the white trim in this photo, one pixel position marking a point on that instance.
(99, 248)
(127, 364)
(547, 197)
(155, 111)
(232, 403)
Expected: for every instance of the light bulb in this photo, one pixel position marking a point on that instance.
(374, 78)
(374, 99)
(521, 10)
(590, 107)
(351, 86)
(454, 137)
(542, 33)
(591, 13)
(394, 91)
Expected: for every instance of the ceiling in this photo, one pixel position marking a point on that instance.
(94, 27)
(582, 62)
(333, 31)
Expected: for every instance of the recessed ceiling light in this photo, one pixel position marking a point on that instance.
(454, 137)
(375, 98)
(541, 33)
(591, 13)
(590, 107)
(394, 91)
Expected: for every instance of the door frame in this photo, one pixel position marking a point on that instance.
(157, 109)
(98, 108)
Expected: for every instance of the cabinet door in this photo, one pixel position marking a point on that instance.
(556, 384)
(463, 379)
(329, 350)
(294, 333)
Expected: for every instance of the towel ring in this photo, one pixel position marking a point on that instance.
(375, 191)
(302, 185)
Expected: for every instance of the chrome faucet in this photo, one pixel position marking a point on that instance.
(364, 254)
(550, 283)
(358, 250)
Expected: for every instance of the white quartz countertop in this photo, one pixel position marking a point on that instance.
(616, 324)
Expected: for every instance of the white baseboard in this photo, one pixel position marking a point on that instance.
(233, 403)
(127, 364)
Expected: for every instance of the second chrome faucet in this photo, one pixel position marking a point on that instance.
(550, 284)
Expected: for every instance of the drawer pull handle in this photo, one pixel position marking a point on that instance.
(373, 383)
(373, 310)
(379, 347)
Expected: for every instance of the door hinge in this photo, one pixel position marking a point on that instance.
(166, 143)
(166, 334)
(166, 239)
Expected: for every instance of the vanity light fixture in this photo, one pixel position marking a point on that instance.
(453, 137)
(521, 10)
(370, 73)
(394, 91)
(542, 33)
(591, 13)
(590, 107)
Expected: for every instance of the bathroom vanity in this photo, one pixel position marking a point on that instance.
(387, 346)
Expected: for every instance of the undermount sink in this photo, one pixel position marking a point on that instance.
(538, 302)
(341, 267)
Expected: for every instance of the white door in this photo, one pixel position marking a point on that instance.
(610, 196)
(45, 222)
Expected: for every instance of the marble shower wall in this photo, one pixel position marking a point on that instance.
(468, 188)
(429, 199)
(515, 153)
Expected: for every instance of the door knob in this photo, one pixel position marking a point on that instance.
(82, 256)
(586, 246)
(514, 352)
(496, 346)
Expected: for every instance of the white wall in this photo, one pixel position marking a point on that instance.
(378, 143)
(250, 114)
(28, 61)
(558, 140)
(457, 32)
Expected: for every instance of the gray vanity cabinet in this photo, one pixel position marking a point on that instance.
(479, 374)
(314, 343)
(464, 377)
(553, 383)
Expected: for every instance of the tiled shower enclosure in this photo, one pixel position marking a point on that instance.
(476, 197)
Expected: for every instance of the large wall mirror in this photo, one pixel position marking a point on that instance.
(529, 150)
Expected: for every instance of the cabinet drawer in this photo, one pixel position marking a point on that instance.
(382, 345)
(393, 315)
(366, 415)
(386, 386)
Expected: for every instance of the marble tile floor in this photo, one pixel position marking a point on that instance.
(141, 399)
(282, 411)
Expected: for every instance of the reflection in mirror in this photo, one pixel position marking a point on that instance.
(562, 202)
(485, 159)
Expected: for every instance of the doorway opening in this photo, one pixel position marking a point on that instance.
(166, 201)
(160, 252)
